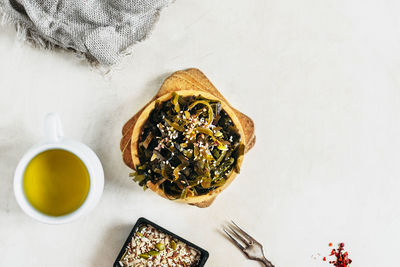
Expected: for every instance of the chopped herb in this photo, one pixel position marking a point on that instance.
(189, 146)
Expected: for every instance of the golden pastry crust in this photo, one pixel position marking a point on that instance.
(187, 82)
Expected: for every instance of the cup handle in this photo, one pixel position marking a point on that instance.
(52, 128)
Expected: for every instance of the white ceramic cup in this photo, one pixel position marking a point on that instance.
(54, 139)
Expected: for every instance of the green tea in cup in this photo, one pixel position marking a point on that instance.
(56, 182)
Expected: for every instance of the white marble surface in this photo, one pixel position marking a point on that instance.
(321, 79)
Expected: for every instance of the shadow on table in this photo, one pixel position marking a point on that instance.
(14, 142)
(110, 245)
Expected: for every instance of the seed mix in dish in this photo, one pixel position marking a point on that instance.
(151, 247)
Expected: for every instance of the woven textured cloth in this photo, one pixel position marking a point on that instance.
(102, 30)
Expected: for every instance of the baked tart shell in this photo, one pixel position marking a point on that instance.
(190, 82)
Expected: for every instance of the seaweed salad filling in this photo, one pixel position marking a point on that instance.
(188, 146)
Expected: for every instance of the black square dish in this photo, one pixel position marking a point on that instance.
(142, 221)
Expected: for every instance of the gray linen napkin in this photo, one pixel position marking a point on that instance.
(102, 30)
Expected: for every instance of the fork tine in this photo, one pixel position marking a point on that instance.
(234, 231)
(243, 232)
(234, 240)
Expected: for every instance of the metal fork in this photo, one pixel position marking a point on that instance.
(251, 247)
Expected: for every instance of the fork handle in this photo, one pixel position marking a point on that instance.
(266, 262)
